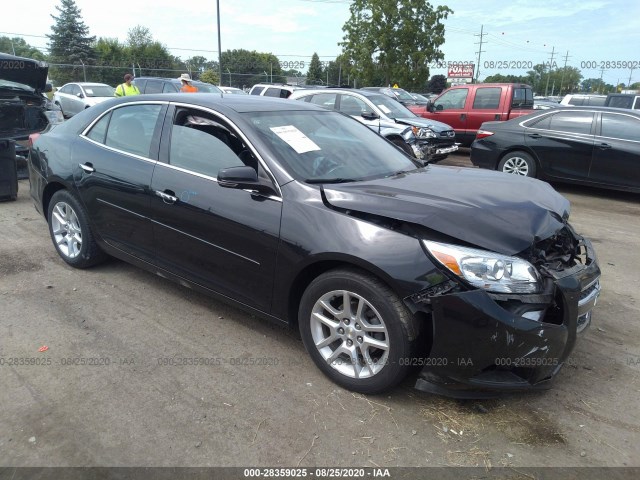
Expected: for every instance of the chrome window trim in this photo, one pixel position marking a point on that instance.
(637, 119)
(562, 132)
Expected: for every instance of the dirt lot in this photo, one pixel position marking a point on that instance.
(255, 398)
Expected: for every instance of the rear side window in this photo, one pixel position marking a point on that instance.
(140, 84)
(636, 106)
(620, 126)
(169, 88)
(256, 90)
(620, 102)
(326, 100)
(487, 98)
(131, 128)
(595, 101)
(153, 86)
(522, 98)
(574, 122)
(99, 130)
(277, 92)
(577, 101)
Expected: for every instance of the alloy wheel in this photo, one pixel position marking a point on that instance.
(516, 166)
(66, 230)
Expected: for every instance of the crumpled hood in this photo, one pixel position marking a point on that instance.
(24, 70)
(437, 127)
(497, 211)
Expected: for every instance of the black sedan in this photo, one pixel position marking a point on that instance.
(301, 215)
(589, 145)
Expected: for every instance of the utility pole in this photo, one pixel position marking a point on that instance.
(601, 81)
(630, 73)
(219, 44)
(553, 54)
(564, 69)
(480, 51)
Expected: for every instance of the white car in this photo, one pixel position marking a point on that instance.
(232, 90)
(72, 98)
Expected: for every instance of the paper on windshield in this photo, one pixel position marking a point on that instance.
(88, 91)
(384, 108)
(295, 138)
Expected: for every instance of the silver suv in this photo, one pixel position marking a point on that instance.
(425, 139)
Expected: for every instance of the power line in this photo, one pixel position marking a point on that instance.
(480, 51)
(566, 58)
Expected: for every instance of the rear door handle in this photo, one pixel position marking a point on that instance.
(87, 167)
(167, 196)
(463, 116)
(604, 146)
(535, 135)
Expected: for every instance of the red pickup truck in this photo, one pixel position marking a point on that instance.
(466, 107)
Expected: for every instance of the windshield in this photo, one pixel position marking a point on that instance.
(98, 90)
(326, 147)
(207, 88)
(15, 85)
(391, 108)
(402, 95)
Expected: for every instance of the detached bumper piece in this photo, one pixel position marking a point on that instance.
(485, 344)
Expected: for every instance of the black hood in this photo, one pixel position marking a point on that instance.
(492, 210)
(24, 70)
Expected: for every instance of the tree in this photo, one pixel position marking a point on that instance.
(397, 37)
(69, 44)
(111, 61)
(314, 75)
(250, 67)
(437, 83)
(210, 76)
(634, 86)
(149, 56)
(17, 46)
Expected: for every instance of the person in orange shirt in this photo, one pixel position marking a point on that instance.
(186, 84)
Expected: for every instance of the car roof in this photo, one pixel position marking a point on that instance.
(364, 93)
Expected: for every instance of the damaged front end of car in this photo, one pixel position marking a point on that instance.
(505, 324)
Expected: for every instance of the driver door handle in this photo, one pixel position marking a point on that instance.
(167, 196)
(535, 135)
(87, 167)
(604, 146)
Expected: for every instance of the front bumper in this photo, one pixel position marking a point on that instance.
(484, 344)
(430, 152)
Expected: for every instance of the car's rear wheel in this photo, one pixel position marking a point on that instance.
(403, 146)
(357, 330)
(518, 163)
(70, 231)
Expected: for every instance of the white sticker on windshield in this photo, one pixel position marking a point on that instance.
(295, 138)
(384, 108)
(88, 91)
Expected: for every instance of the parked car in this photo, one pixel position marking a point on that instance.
(150, 85)
(590, 145)
(232, 90)
(277, 90)
(24, 106)
(72, 98)
(466, 107)
(305, 217)
(426, 140)
(623, 100)
(420, 99)
(583, 100)
(402, 96)
(546, 105)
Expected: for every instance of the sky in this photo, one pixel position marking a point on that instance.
(595, 34)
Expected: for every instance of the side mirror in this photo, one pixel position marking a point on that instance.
(431, 107)
(243, 178)
(79, 95)
(370, 116)
(48, 88)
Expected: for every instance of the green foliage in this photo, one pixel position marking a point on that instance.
(596, 85)
(392, 41)
(254, 67)
(314, 74)
(69, 43)
(634, 86)
(437, 83)
(18, 46)
(210, 76)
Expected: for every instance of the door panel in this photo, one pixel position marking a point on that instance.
(452, 108)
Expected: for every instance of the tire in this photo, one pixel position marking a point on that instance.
(70, 231)
(518, 163)
(401, 144)
(376, 316)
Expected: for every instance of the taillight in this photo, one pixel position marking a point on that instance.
(32, 138)
(483, 134)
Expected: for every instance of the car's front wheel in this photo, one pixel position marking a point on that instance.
(357, 330)
(70, 231)
(518, 163)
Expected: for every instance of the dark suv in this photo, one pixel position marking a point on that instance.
(170, 85)
(24, 107)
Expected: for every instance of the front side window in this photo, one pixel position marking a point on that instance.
(98, 91)
(205, 144)
(256, 90)
(154, 86)
(326, 100)
(353, 106)
(169, 88)
(66, 89)
(574, 122)
(620, 126)
(452, 100)
(131, 128)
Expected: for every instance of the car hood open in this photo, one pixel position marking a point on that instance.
(492, 210)
(24, 70)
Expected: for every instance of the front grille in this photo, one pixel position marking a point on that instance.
(559, 252)
(448, 134)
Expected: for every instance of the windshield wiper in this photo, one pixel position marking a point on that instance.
(330, 180)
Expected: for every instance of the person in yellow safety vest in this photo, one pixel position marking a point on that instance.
(127, 88)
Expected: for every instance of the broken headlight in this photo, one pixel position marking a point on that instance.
(487, 270)
(423, 132)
